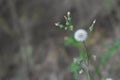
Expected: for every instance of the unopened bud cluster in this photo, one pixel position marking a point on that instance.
(68, 24)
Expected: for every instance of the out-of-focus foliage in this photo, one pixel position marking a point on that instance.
(108, 55)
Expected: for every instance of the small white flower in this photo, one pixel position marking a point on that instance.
(68, 13)
(108, 79)
(94, 21)
(94, 57)
(80, 35)
(56, 24)
(81, 71)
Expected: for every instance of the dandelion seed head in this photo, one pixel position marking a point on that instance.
(80, 35)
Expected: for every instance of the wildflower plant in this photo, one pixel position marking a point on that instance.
(80, 64)
(78, 38)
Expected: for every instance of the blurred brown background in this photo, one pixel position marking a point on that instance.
(31, 47)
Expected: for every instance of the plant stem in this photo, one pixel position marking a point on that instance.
(86, 52)
(87, 71)
(88, 75)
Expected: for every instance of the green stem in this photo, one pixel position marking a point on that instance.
(88, 75)
(87, 70)
(86, 53)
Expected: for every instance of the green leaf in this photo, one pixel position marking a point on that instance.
(74, 67)
(110, 52)
(71, 27)
(61, 26)
(89, 77)
(70, 41)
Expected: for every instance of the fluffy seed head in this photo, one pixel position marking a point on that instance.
(80, 35)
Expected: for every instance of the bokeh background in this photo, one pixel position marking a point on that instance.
(32, 48)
